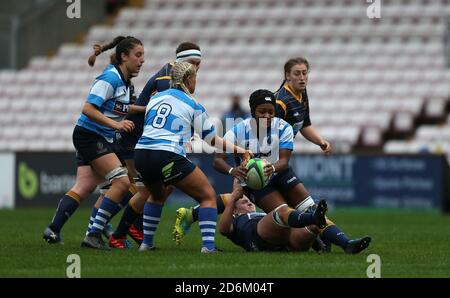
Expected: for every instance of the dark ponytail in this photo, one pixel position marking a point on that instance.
(112, 59)
(122, 45)
(281, 86)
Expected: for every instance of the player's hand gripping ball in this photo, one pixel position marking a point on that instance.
(255, 174)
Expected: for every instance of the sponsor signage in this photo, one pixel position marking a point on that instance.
(387, 181)
(42, 178)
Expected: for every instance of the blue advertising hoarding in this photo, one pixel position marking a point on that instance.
(414, 181)
(387, 181)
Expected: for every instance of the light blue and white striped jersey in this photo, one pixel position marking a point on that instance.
(171, 118)
(111, 96)
(270, 142)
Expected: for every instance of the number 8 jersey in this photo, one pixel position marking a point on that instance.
(171, 118)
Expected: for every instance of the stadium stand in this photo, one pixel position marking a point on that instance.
(368, 76)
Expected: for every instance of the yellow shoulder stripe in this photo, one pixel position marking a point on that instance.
(297, 97)
(163, 78)
(283, 105)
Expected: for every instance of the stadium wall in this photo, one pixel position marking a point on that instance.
(33, 30)
(7, 174)
(384, 181)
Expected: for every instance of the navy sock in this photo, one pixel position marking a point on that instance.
(139, 223)
(298, 219)
(220, 205)
(220, 209)
(128, 217)
(66, 207)
(126, 198)
(195, 213)
(333, 234)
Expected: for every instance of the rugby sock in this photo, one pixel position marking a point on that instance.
(221, 202)
(152, 215)
(139, 223)
(66, 207)
(333, 234)
(126, 198)
(195, 213)
(128, 217)
(207, 218)
(91, 219)
(107, 207)
(298, 219)
(123, 203)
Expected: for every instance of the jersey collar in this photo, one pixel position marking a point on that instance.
(298, 98)
(127, 83)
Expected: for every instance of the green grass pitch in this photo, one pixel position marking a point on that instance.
(409, 243)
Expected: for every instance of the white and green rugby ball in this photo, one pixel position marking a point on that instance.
(255, 175)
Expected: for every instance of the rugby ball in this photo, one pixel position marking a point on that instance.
(255, 175)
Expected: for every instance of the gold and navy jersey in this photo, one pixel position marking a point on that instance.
(245, 233)
(292, 108)
(159, 82)
(244, 229)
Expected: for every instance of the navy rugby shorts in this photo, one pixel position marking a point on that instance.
(159, 165)
(89, 145)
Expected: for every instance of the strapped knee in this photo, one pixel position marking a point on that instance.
(116, 174)
(305, 204)
(276, 217)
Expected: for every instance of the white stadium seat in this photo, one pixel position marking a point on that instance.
(365, 74)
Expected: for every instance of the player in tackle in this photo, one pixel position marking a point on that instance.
(283, 187)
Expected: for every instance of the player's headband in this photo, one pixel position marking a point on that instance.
(187, 54)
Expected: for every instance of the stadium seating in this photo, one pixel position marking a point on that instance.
(367, 76)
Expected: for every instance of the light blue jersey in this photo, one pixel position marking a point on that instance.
(270, 142)
(111, 96)
(171, 118)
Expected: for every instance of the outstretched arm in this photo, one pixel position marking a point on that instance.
(313, 136)
(226, 146)
(221, 165)
(226, 219)
(135, 109)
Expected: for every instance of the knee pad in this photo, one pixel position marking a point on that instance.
(307, 203)
(104, 187)
(116, 173)
(276, 217)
